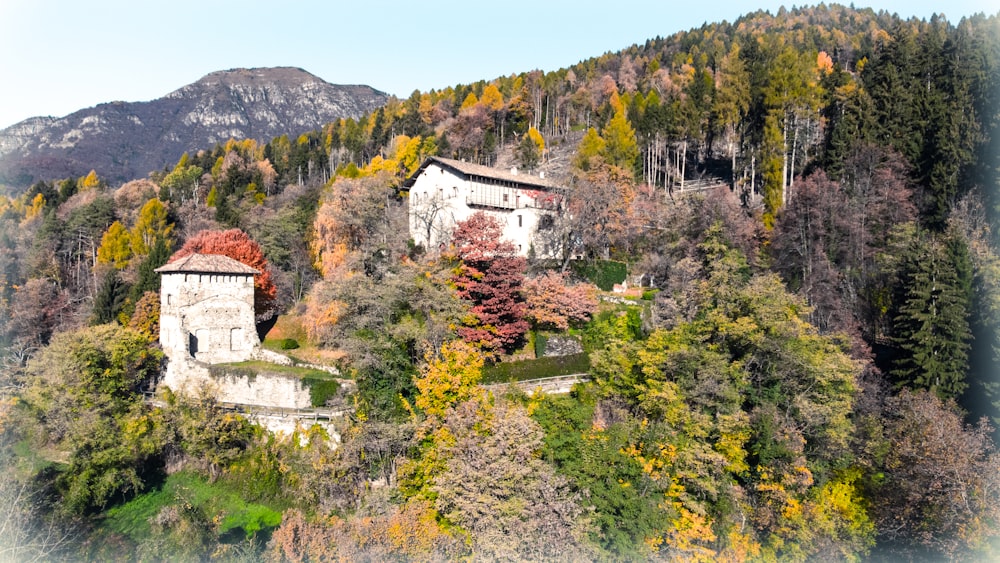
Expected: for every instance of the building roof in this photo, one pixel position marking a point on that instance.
(207, 264)
(469, 169)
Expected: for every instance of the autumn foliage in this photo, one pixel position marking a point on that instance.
(552, 304)
(237, 245)
(490, 276)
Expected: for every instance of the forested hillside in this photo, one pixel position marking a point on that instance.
(810, 370)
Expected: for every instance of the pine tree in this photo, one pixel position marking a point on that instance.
(147, 279)
(110, 299)
(528, 153)
(931, 322)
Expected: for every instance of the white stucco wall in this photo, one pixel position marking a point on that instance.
(443, 194)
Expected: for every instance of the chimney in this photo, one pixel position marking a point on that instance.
(541, 174)
(513, 170)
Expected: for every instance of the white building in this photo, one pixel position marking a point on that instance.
(444, 192)
(206, 310)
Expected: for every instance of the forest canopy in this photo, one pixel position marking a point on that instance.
(800, 212)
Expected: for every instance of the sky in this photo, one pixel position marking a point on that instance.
(59, 56)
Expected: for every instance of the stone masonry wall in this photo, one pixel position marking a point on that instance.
(193, 378)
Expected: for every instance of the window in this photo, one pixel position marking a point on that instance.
(517, 200)
(520, 221)
(506, 198)
(236, 339)
(193, 344)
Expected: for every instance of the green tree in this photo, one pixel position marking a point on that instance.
(182, 182)
(530, 150)
(85, 393)
(731, 102)
(741, 399)
(931, 326)
(146, 277)
(110, 299)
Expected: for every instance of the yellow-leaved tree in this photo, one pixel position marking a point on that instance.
(492, 98)
(151, 224)
(116, 246)
(470, 101)
(89, 182)
(536, 137)
(35, 209)
(449, 378)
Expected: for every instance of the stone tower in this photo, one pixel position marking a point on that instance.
(206, 310)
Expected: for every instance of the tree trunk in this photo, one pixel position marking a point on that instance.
(784, 161)
(684, 148)
(795, 144)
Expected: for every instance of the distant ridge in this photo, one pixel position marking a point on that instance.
(127, 140)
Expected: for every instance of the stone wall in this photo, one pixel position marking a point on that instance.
(208, 316)
(193, 378)
(559, 345)
(285, 425)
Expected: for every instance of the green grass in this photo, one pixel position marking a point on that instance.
(216, 500)
(534, 369)
(30, 458)
(255, 367)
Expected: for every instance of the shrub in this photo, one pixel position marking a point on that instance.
(541, 340)
(321, 390)
(552, 366)
(602, 273)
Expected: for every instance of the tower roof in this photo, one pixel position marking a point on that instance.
(207, 264)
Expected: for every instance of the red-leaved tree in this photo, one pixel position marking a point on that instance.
(490, 276)
(238, 245)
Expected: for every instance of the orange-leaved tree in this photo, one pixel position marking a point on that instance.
(552, 304)
(238, 245)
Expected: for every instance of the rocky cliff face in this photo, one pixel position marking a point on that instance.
(124, 141)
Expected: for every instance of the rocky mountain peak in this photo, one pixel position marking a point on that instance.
(127, 140)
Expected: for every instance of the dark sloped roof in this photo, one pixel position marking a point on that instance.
(207, 264)
(469, 169)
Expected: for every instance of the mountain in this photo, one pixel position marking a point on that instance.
(127, 140)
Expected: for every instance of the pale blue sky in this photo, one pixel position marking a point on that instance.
(58, 56)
